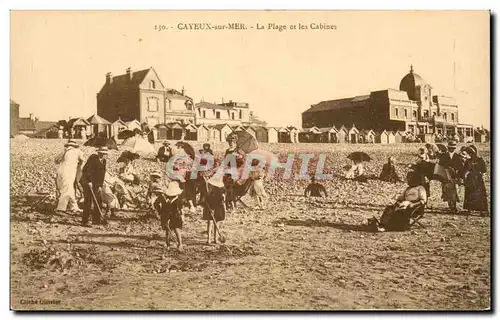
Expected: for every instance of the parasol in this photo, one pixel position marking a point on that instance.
(188, 149)
(246, 141)
(98, 142)
(359, 156)
(125, 134)
(127, 155)
(441, 147)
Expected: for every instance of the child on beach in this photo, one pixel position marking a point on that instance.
(170, 210)
(257, 190)
(214, 209)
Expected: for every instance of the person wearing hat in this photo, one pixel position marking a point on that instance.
(156, 183)
(66, 175)
(451, 162)
(170, 210)
(92, 180)
(164, 153)
(214, 204)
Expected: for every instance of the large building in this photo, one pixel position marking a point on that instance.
(232, 113)
(413, 108)
(141, 96)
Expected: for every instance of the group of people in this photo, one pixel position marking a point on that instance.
(103, 191)
(452, 169)
(218, 194)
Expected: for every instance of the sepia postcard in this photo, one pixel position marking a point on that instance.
(250, 160)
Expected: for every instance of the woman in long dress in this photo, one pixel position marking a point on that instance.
(475, 190)
(66, 175)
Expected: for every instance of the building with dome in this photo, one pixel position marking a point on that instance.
(413, 108)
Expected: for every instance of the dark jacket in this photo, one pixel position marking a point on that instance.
(389, 173)
(163, 153)
(452, 163)
(93, 171)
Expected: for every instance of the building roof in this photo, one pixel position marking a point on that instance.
(410, 82)
(42, 132)
(120, 122)
(77, 122)
(208, 105)
(220, 126)
(356, 101)
(25, 124)
(122, 80)
(174, 94)
(28, 124)
(13, 102)
(96, 119)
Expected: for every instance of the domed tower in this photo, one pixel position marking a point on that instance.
(416, 87)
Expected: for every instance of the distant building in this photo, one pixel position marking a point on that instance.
(31, 125)
(232, 113)
(412, 108)
(141, 96)
(14, 116)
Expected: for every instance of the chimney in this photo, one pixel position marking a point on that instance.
(129, 73)
(31, 117)
(222, 100)
(182, 90)
(108, 78)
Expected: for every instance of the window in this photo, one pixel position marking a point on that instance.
(232, 116)
(433, 114)
(204, 114)
(426, 113)
(152, 84)
(445, 116)
(397, 113)
(452, 117)
(414, 114)
(241, 114)
(217, 115)
(153, 104)
(406, 113)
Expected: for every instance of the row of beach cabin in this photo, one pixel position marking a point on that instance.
(81, 128)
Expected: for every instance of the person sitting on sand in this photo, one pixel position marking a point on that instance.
(356, 172)
(389, 173)
(315, 189)
(164, 153)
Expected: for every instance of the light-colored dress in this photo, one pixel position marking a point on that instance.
(257, 189)
(107, 195)
(65, 179)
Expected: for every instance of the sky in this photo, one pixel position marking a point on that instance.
(59, 59)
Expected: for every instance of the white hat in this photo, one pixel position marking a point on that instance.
(173, 189)
(216, 181)
(103, 150)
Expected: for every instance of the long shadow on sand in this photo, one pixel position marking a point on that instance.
(325, 223)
